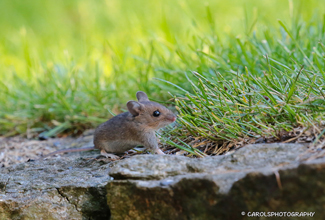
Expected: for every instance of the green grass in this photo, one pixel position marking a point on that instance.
(271, 86)
(67, 64)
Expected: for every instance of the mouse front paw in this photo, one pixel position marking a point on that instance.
(158, 151)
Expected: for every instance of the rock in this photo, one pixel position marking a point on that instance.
(256, 178)
(62, 188)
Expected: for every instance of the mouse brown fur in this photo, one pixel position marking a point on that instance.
(130, 129)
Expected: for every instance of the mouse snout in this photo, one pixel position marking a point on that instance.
(171, 117)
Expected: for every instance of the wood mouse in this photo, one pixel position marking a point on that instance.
(130, 129)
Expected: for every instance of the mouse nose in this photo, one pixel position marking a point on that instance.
(173, 118)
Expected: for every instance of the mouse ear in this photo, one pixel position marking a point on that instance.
(142, 96)
(134, 107)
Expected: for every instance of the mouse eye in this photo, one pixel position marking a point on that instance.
(156, 113)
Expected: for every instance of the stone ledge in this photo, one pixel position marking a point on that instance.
(166, 187)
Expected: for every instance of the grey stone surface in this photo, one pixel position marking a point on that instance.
(62, 188)
(166, 187)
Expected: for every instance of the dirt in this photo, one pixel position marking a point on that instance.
(14, 150)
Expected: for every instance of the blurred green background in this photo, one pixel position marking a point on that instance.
(74, 61)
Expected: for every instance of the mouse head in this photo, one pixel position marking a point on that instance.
(150, 114)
